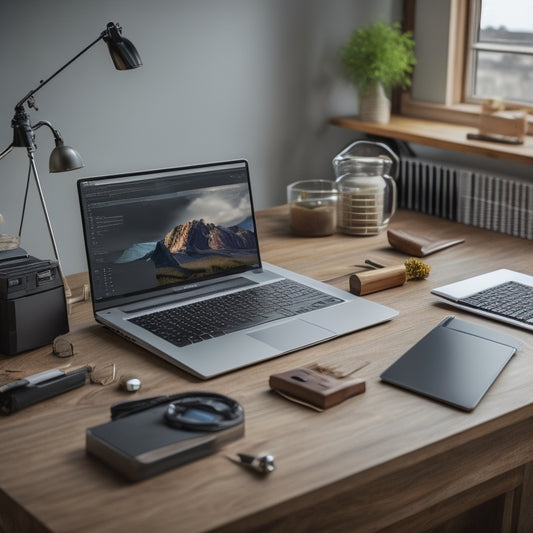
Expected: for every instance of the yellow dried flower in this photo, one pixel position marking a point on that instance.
(415, 269)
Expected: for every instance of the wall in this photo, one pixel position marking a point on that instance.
(221, 79)
(431, 37)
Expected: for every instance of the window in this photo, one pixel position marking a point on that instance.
(468, 51)
(501, 51)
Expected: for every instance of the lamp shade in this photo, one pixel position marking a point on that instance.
(64, 158)
(123, 53)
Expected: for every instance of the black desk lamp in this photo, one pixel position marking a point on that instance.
(63, 158)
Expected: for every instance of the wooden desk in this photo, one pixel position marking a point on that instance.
(385, 460)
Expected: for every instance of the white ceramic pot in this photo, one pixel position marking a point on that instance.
(374, 106)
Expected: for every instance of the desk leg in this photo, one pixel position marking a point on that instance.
(509, 506)
(525, 511)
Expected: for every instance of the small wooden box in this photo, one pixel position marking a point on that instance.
(497, 121)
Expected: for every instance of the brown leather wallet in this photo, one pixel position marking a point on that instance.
(417, 245)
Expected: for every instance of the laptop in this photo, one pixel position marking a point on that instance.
(173, 255)
(503, 295)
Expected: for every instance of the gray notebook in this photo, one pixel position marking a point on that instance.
(455, 363)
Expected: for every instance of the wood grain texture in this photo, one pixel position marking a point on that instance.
(377, 279)
(440, 135)
(381, 458)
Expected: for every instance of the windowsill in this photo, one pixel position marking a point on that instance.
(463, 114)
(440, 134)
(460, 114)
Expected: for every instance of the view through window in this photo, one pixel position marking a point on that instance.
(501, 63)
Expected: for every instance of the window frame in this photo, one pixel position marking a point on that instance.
(474, 44)
(456, 107)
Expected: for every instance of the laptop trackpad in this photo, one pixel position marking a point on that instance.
(292, 334)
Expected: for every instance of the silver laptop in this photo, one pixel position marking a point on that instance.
(503, 295)
(175, 267)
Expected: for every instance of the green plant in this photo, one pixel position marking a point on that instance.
(379, 53)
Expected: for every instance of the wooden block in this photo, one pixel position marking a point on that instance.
(504, 123)
(377, 280)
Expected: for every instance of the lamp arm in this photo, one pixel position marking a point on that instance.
(56, 133)
(6, 151)
(44, 82)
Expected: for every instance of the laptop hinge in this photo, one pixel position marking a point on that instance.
(187, 294)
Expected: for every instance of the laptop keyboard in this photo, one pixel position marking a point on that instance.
(510, 299)
(221, 315)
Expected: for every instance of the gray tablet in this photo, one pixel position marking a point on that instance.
(455, 363)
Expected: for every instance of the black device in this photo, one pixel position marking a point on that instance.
(23, 392)
(150, 436)
(33, 308)
(455, 363)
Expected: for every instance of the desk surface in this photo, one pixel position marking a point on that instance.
(384, 459)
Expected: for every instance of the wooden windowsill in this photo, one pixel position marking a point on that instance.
(440, 135)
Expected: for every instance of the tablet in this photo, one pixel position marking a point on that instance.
(455, 363)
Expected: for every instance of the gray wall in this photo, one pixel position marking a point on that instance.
(431, 37)
(221, 79)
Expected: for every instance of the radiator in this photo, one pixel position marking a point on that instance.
(477, 198)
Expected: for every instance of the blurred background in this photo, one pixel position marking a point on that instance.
(253, 79)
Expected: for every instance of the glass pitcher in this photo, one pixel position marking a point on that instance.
(366, 189)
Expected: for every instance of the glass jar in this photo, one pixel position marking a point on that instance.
(313, 207)
(367, 192)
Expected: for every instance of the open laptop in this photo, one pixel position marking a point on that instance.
(503, 295)
(166, 246)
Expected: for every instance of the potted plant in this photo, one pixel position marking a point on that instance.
(378, 58)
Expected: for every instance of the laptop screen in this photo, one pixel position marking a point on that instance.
(160, 229)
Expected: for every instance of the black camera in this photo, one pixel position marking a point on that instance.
(150, 436)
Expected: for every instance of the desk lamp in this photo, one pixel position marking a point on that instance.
(63, 158)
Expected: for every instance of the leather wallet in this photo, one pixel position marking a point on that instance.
(417, 245)
(315, 388)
